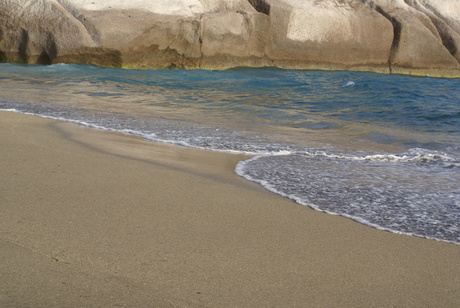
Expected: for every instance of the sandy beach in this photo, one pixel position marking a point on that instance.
(99, 219)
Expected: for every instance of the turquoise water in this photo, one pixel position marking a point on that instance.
(383, 150)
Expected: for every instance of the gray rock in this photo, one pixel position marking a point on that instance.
(420, 37)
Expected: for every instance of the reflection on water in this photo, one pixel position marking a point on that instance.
(315, 106)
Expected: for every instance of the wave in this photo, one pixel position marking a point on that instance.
(415, 155)
(398, 193)
(349, 84)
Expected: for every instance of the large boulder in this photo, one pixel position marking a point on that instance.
(328, 34)
(419, 37)
(423, 41)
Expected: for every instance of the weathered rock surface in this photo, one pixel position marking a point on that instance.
(420, 37)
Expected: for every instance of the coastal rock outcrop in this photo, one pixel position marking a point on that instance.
(420, 37)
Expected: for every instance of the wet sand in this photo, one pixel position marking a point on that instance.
(99, 219)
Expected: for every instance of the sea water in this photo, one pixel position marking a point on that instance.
(383, 150)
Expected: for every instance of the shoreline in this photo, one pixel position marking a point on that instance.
(444, 73)
(98, 218)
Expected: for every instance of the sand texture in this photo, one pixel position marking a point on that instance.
(98, 219)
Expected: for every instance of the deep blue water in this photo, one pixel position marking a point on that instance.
(381, 149)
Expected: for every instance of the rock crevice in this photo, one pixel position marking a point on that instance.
(261, 6)
(397, 27)
(449, 37)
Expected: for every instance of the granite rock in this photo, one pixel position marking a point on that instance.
(420, 37)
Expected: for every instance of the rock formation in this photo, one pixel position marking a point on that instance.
(420, 37)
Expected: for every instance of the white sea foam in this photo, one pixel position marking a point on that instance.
(370, 194)
(412, 155)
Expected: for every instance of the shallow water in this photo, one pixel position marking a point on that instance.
(381, 149)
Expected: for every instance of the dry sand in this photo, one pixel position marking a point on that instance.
(98, 219)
